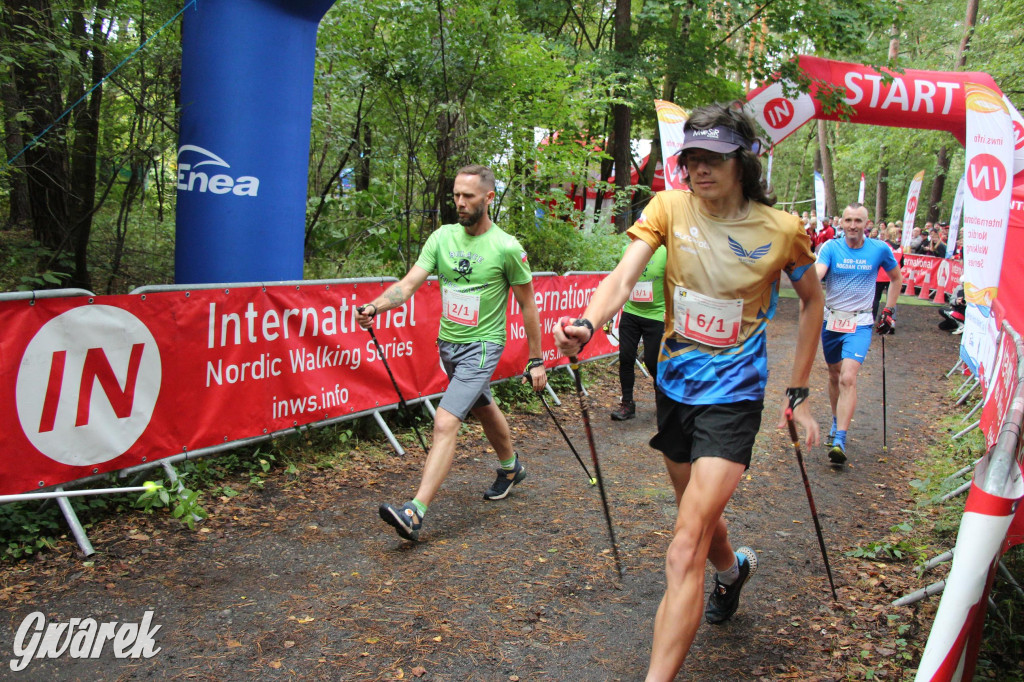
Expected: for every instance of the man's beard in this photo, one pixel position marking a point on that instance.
(473, 218)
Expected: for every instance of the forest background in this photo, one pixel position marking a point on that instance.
(406, 92)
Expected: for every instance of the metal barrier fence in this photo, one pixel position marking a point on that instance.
(954, 636)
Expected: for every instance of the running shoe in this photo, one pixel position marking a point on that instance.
(838, 453)
(406, 520)
(725, 599)
(505, 480)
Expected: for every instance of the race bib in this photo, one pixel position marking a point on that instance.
(460, 308)
(711, 321)
(643, 292)
(841, 321)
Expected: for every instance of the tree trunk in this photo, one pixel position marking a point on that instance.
(826, 170)
(45, 163)
(17, 189)
(894, 42)
(938, 185)
(362, 179)
(970, 19)
(452, 154)
(83, 154)
(882, 190)
(623, 120)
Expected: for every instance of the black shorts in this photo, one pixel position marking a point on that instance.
(686, 432)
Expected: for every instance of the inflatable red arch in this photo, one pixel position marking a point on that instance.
(971, 107)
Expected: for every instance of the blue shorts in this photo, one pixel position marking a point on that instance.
(838, 346)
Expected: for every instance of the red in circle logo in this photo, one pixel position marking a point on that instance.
(675, 175)
(912, 205)
(986, 177)
(1018, 135)
(778, 113)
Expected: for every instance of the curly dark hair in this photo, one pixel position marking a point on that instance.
(734, 117)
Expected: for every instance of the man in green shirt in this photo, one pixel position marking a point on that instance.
(643, 316)
(477, 263)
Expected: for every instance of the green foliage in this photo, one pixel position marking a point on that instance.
(182, 502)
(516, 394)
(25, 530)
(890, 550)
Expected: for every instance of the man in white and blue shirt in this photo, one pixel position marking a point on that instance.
(849, 266)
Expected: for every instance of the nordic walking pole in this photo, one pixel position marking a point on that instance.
(574, 363)
(401, 400)
(593, 481)
(793, 402)
(885, 411)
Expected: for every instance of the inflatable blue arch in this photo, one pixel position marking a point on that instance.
(243, 155)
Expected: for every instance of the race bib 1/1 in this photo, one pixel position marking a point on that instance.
(460, 308)
(841, 321)
(711, 321)
(643, 292)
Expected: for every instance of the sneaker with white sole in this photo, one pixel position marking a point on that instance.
(505, 480)
(406, 520)
(725, 599)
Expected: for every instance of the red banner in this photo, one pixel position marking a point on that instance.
(101, 383)
(940, 275)
(909, 99)
(1001, 388)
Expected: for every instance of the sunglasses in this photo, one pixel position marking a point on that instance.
(710, 159)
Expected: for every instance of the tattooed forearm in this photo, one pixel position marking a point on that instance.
(393, 297)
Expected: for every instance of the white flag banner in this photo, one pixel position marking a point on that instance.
(955, 216)
(671, 118)
(819, 197)
(768, 175)
(860, 192)
(911, 210)
(988, 172)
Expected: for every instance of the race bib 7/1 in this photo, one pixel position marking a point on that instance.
(841, 321)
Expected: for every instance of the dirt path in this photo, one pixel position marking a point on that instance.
(302, 579)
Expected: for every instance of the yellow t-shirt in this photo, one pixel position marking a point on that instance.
(721, 288)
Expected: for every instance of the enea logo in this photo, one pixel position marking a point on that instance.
(778, 112)
(209, 179)
(87, 385)
(986, 177)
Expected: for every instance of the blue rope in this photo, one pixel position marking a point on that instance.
(98, 84)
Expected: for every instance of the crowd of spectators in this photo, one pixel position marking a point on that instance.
(931, 240)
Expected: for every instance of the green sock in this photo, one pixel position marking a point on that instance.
(420, 507)
(508, 464)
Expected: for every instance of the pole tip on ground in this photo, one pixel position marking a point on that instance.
(151, 486)
(593, 481)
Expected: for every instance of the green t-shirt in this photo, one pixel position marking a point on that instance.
(648, 296)
(475, 273)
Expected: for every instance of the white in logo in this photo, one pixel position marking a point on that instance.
(82, 638)
(191, 180)
(87, 385)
